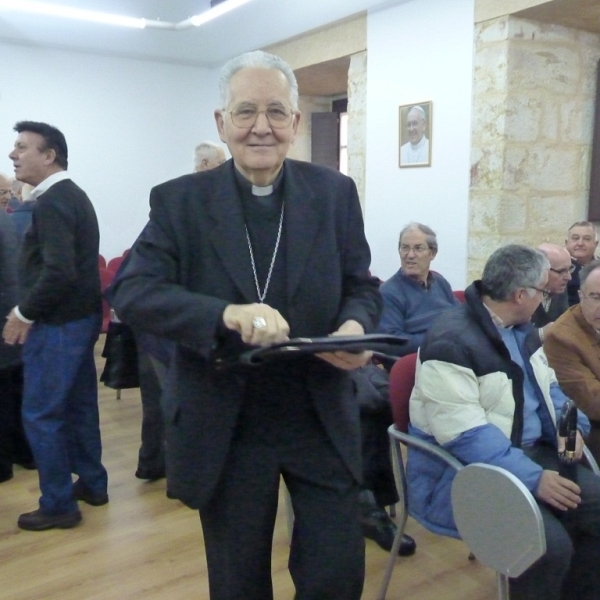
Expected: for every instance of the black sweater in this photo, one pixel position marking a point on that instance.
(58, 267)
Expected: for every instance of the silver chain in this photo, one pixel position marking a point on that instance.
(262, 295)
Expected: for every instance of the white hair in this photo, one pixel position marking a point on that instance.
(208, 150)
(257, 60)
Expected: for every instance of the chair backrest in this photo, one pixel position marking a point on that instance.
(459, 295)
(498, 518)
(402, 381)
(114, 264)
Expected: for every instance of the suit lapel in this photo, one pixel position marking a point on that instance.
(229, 238)
(301, 223)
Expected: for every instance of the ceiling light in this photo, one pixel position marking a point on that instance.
(71, 13)
(67, 12)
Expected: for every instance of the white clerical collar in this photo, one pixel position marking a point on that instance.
(45, 185)
(258, 190)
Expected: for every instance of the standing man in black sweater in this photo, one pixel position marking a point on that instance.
(58, 321)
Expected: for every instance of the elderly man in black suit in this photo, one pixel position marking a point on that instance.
(255, 251)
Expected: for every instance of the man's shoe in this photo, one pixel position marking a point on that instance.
(83, 493)
(39, 521)
(6, 476)
(382, 531)
(150, 474)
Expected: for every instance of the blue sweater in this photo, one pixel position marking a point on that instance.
(409, 309)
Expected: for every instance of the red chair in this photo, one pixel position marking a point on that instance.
(114, 264)
(101, 261)
(106, 278)
(459, 295)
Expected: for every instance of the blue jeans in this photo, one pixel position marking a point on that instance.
(60, 410)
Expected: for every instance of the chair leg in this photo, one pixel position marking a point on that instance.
(503, 591)
(392, 560)
(118, 394)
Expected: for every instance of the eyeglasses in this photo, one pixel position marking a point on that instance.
(420, 249)
(563, 271)
(544, 293)
(245, 115)
(4, 192)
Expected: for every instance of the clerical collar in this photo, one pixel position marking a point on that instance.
(257, 190)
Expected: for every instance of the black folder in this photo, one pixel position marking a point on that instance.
(382, 345)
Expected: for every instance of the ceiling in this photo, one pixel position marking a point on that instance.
(256, 24)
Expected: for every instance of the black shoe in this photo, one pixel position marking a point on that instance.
(150, 474)
(28, 464)
(83, 493)
(6, 476)
(377, 526)
(383, 533)
(39, 521)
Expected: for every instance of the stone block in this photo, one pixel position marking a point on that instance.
(515, 168)
(553, 169)
(490, 69)
(543, 66)
(550, 119)
(512, 214)
(487, 167)
(523, 117)
(488, 120)
(483, 213)
(534, 31)
(577, 121)
(495, 30)
(552, 215)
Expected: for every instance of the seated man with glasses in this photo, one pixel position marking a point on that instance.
(573, 350)
(556, 301)
(414, 296)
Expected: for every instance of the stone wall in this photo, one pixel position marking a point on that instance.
(533, 110)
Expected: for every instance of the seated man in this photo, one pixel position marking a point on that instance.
(556, 302)
(581, 242)
(485, 394)
(572, 350)
(414, 296)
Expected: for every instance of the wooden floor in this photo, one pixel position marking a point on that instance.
(145, 546)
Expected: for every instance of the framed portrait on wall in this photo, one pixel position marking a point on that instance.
(415, 134)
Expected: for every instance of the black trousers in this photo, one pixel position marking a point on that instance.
(327, 551)
(378, 472)
(14, 447)
(570, 568)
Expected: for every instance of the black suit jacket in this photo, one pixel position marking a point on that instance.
(192, 260)
(558, 305)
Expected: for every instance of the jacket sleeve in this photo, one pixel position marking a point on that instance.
(361, 300)
(148, 295)
(450, 394)
(576, 378)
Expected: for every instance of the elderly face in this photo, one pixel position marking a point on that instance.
(4, 192)
(258, 150)
(531, 299)
(560, 272)
(582, 243)
(589, 296)
(415, 125)
(415, 254)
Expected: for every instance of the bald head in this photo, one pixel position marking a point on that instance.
(5, 191)
(560, 267)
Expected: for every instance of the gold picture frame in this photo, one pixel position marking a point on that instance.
(415, 128)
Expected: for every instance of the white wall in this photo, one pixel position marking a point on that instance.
(129, 124)
(420, 50)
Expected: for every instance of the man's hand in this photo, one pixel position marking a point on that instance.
(15, 331)
(258, 324)
(557, 491)
(347, 360)
(579, 444)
